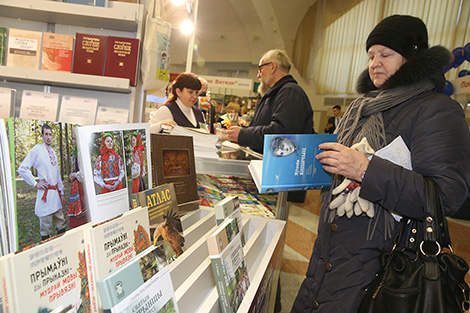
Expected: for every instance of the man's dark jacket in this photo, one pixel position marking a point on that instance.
(284, 109)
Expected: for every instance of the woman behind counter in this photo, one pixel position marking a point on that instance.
(180, 108)
(402, 98)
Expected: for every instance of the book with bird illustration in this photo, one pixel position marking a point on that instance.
(165, 223)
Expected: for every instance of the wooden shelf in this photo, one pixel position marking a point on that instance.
(65, 79)
(120, 16)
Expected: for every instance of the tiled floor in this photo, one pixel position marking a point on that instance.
(301, 234)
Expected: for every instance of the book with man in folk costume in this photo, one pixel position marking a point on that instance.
(122, 58)
(113, 243)
(228, 265)
(47, 276)
(289, 163)
(24, 48)
(165, 223)
(57, 50)
(89, 54)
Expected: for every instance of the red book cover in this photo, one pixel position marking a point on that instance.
(121, 59)
(90, 53)
(57, 52)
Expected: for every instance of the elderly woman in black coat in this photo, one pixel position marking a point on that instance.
(402, 102)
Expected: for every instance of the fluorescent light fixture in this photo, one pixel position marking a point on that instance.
(177, 2)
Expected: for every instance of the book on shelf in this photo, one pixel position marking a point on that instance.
(47, 276)
(78, 110)
(7, 102)
(24, 48)
(122, 58)
(107, 156)
(40, 152)
(96, 3)
(111, 244)
(107, 115)
(289, 163)
(57, 50)
(173, 162)
(3, 45)
(89, 54)
(166, 229)
(228, 265)
(155, 295)
(229, 207)
(39, 105)
(121, 282)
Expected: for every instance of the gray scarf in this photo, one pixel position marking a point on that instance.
(364, 119)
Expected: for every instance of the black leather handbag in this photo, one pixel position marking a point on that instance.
(436, 285)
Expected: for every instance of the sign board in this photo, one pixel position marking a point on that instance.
(462, 85)
(229, 82)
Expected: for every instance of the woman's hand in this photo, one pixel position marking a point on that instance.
(339, 159)
(168, 123)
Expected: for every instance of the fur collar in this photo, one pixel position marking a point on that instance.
(425, 65)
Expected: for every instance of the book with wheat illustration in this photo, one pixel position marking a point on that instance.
(111, 244)
(165, 223)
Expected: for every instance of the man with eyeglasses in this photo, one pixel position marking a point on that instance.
(284, 108)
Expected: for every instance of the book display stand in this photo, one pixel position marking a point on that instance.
(119, 19)
(191, 273)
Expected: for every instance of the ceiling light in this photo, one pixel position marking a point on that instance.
(187, 27)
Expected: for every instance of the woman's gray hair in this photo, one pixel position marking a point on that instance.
(280, 57)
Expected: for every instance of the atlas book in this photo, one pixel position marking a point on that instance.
(120, 283)
(229, 207)
(57, 52)
(112, 244)
(47, 276)
(155, 295)
(228, 265)
(289, 163)
(108, 155)
(89, 54)
(122, 58)
(3, 45)
(24, 48)
(165, 222)
(173, 162)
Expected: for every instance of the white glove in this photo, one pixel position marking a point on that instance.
(348, 201)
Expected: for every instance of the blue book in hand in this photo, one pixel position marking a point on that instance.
(289, 163)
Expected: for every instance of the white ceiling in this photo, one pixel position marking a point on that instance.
(236, 30)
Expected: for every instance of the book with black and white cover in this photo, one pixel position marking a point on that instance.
(78, 110)
(106, 158)
(228, 265)
(39, 105)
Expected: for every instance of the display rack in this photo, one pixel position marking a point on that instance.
(119, 19)
(192, 276)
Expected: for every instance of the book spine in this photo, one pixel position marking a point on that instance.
(90, 266)
(6, 284)
(219, 276)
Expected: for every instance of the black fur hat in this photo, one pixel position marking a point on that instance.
(403, 33)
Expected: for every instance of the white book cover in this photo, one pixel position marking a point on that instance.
(47, 276)
(78, 110)
(155, 295)
(108, 156)
(7, 98)
(113, 243)
(107, 115)
(39, 105)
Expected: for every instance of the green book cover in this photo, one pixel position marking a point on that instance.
(3, 45)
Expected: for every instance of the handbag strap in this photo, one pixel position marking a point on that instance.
(436, 231)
